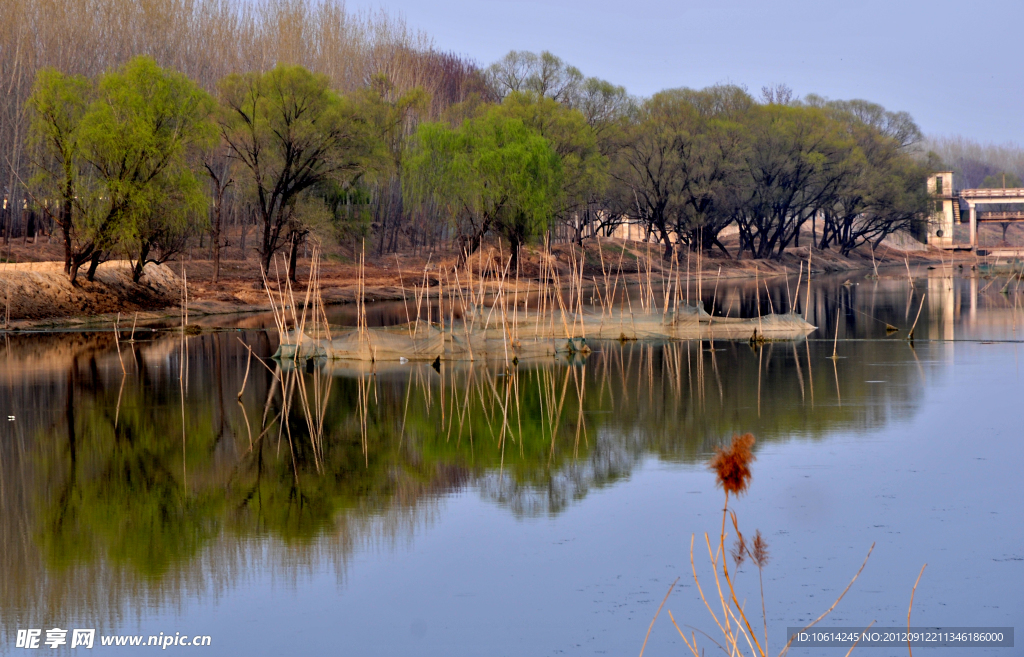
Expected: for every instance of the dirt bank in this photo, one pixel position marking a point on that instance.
(41, 290)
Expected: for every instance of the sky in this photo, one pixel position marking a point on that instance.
(955, 66)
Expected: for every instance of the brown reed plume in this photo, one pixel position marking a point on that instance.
(760, 553)
(732, 465)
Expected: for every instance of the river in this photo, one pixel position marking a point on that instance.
(542, 509)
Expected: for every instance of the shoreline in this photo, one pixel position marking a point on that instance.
(40, 287)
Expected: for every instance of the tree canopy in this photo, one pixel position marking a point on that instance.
(116, 153)
(290, 132)
(490, 173)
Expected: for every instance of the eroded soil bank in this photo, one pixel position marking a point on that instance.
(36, 291)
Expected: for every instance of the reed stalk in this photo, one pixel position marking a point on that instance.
(714, 301)
(807, 303)
(835, 342)
(799, 280)
(911, 607)
(910, 336)
(117, 342)
(700, 272)
(757, 295)
(789, 295)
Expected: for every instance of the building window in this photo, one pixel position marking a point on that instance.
(938, 184)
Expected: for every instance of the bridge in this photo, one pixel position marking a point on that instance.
(975, 197)
(940, 226)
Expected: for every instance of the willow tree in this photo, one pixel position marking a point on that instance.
(652, 161)
(138, 135)
(491, 173)
(882, 189)
(681, 159)
(56, 108)
(290, 132)
(114, 155)
(795, 161)
(574, 140)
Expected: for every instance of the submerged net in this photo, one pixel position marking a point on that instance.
(531, 335)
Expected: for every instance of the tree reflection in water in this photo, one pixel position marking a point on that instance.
(106, 509)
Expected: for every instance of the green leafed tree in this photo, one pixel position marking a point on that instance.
(574, 140)
(141, 136)
(114, 161)
(56, 108)
(710, 163)
(391, 117)
(1002, 181)
(290, 133)
(543, 74)
(881, 188)
(682, 155)
(491, 173)
(795, 159)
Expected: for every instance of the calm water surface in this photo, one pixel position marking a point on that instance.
(543, 510)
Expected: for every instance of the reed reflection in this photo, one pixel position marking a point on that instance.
(122, 486)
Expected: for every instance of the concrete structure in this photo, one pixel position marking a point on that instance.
(939, 226)
(944, 214)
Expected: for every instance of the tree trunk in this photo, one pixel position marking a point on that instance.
(94, 262)
(293, 256)
(30, 227)
(66, 228)
(721, 246)
(241, 242)
(267, 247)
(515, 245)
(215, 237)
(666, 237)
(140, 265)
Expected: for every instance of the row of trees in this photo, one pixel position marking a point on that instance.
(207, 40)
(120, 160)
(686, 164)
(698, 161)
(142, 160)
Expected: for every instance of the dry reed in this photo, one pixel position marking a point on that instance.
(731, 466)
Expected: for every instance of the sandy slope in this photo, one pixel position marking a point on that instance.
(39, 290)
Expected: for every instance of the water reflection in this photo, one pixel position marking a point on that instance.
(135, 475)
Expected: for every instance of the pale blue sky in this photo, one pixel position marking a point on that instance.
(955, 66)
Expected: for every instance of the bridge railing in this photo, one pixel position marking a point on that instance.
(1014, 193)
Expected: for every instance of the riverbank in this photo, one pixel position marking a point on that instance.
(38, 295)
(40, 291)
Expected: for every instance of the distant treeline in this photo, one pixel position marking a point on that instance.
(977, 165)
(137, 128)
